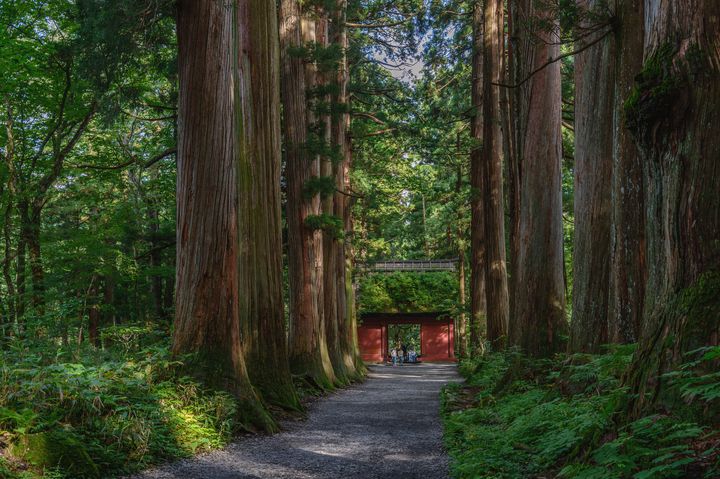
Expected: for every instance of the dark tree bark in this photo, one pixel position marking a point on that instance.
(308, 350)
(540, 288)
(520, 45)
(628, 251)
(670, 113)
(478, 310)
(257, 125)
(594, 109)
(207, 304)
(345, 303)
(330, 241)
(496, 288)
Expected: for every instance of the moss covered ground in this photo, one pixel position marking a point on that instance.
(81, 412)
(521, 418)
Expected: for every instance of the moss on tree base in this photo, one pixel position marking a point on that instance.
(56, 449)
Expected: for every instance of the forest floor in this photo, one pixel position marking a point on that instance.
(386, 426)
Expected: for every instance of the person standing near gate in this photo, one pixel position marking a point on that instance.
(393, 355)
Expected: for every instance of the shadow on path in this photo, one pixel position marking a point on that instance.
(388, 426)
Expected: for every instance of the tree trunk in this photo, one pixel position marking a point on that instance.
(257, 91)
(540, 288)
(496, 288)
(594, 103)
(330, 241)
(32, 239)
(20, 269)
(628, 250)
(93, 310)
(520, 45)
(671, 112)
(353, 363)
(207, 305)
(155, 260)
(341, 142)
(308, 350)
(478, 318)
(462, 338)
(8, 216)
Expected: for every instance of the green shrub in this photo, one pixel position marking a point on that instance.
(529, 418)
(118, 409)
(407, 292)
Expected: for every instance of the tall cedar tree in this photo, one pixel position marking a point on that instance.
(257, 57)
(462, 343)
(208, 236)
(330, 243)
(347, 327)
(628, 274)
(478, 318)
(675, 99)
(308, 349)
(496, 287)
(539, 290)
(594, 103)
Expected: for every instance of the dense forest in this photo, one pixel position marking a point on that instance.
(193, 193)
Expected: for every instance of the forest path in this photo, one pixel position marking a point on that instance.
(388, 426)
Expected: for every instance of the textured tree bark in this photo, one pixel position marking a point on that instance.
(330, 242)
(628, 250)
(594, 109)
(207, 305)
(478, 309)
(496, 288)
(540, 287)
(257, 126)
(520, 57)
(461, 336)
(308, 350)
(341, 141)
(671, 113)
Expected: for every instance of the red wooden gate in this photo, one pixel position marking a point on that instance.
(436, 335)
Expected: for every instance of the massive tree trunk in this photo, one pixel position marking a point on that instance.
(207, 305)
(540, 288)
(496, 288)
(345, 303)
(330, 239)
(628, 270)
(257, 125)
(478, 318)
(462, 336)
(308, 349)
(594, 103)
(671, 112)
(520, 45)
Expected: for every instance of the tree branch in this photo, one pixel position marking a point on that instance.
(554, 60)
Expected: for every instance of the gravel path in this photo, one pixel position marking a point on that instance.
(387, 427)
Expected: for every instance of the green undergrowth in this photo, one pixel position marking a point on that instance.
(71, 412)
(520, 418)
